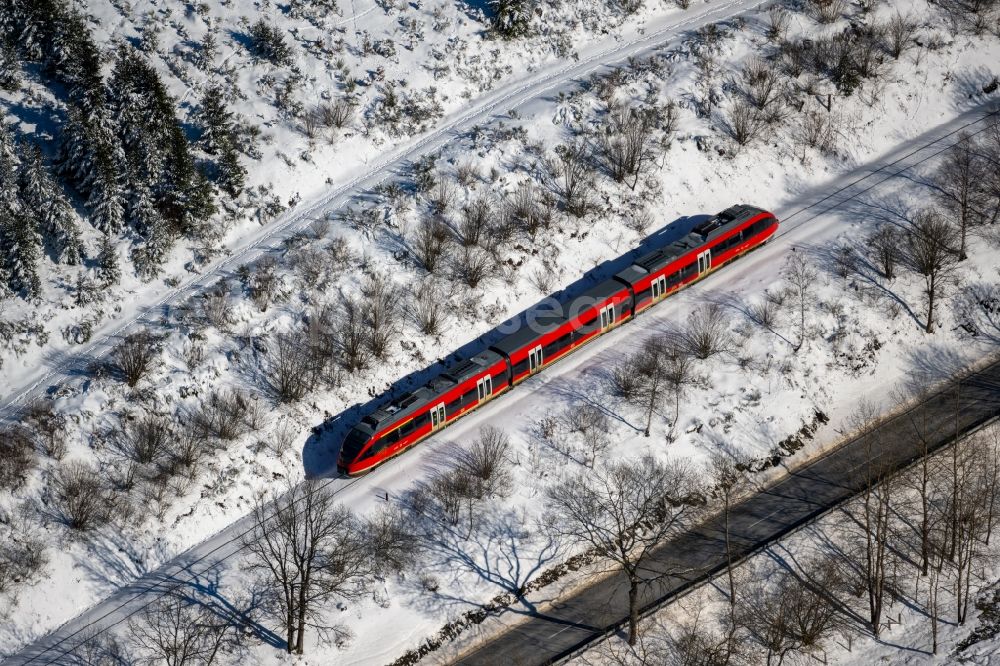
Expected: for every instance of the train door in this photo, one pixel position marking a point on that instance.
(485, 386)
(535, 359)
(704, 262)
(437, 416)
(607, 317)
(659, 288)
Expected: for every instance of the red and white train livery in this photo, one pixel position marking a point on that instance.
(544, 336)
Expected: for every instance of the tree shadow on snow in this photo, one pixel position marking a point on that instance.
(319, 454)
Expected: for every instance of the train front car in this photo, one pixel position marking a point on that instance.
(355, 450)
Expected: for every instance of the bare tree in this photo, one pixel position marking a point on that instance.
(475, 219)
(141, 441)
(289, 370)
(793, 613)
(887, 247)
(350, 333)
(874, 563)
(487, 463)
(959, 181)
(261, 281)
(18, 454)
(678, 377)
(314, 551)
(624, 512)
(217, 310)
(134, 356)
(229, 414)
(591, 423)
(639, 377)
(23, 551)
(427, 310)
(177, 631)
(801, 277)
(930, 252)
(761, 85)
(706, 332)
(473, 265)
(429, 242)
(50, 425)
(827, 11)
(626, 143)
(777, 23)
(81, 498)
(745, 121)
(381, 313)
(900, 32)
(729, 481)
(571, 170)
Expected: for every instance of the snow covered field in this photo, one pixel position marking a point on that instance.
(864, 335)
(908, 636)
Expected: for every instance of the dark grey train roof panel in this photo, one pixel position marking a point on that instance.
(530, 326)
(726, 220)
(463, 370)
(596, 294)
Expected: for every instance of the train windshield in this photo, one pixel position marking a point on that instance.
(356, 440)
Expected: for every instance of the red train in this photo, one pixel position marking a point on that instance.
(544, 336)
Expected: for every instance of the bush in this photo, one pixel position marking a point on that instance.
(50, 426)
(706, 332)
(17, 453)
(81, 498)
(487, 465)
(427, 312)
(134, 356)
(23, 555)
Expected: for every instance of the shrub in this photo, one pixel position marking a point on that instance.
(134, 356)
(81, 498)
(17, 453)
(487, 464)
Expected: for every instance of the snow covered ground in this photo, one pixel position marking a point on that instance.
(929, 93)
(907, 638)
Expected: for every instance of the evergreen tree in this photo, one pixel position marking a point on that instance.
(105, 202)
(52, 214)
(214, 121)
(22, 247)
(108, 271)
(232, 174)
(157, 238)
(511, 18)
(89, 149)
(185, 195)
(9, 199)
(10, 67)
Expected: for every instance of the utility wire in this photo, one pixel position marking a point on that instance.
(242, 535)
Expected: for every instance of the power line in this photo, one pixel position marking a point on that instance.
(242, 535)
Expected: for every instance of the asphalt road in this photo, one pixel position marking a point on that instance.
(759, 520)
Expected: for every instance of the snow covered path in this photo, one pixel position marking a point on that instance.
(147, 307)
(812, 217)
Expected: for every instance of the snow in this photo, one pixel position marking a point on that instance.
(907, 638)
(747, 408)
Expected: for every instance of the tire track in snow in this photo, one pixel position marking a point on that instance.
(225, 544)
(511, 96)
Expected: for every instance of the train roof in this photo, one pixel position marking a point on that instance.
(454, 374)
(656, 260)
(530, 326)
(597, 294)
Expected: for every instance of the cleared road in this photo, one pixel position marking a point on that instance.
(765, 517)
